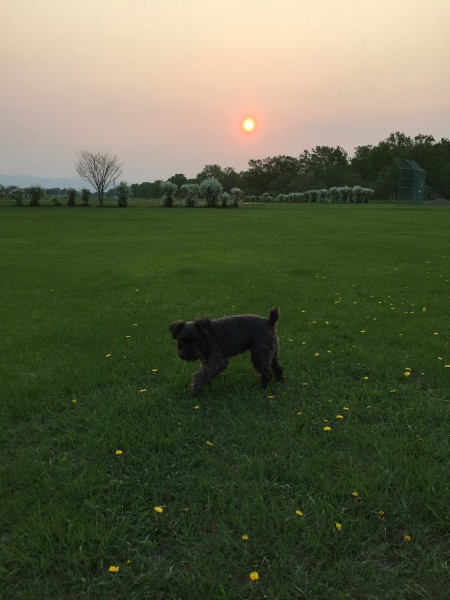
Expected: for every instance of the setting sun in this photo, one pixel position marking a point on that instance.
(248, 124)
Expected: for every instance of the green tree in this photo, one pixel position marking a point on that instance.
(71, 195)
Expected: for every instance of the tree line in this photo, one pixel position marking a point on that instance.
(324, 167)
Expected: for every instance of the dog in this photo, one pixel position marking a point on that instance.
(213, 341)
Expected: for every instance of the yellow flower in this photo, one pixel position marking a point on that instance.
(197, 407)
(270, 397)
(317, 354)
(355, 494)
(143, 391)
(254, 576)
(407, 373)
(327, 428)
(299, 513)
(114, 569)
(245, 538)
(108, 355)
(365, 378)
(345, 408)
(339, 416)
(209, 444)
(74, 401)
(338, 526)
(119, 452)
(406, 538)
(159, 509)
(128, 337)
(381, 513)
(154, 371)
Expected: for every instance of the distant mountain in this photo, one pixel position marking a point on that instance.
(45, 182)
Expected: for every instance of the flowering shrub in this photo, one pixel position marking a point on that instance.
(342, 194)
(168, 190)
(236, 195)
(226, 199)
(190, 192)
(123, 194)
(211, 190)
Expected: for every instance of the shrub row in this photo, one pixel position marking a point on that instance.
(344, 194)
(209, 189)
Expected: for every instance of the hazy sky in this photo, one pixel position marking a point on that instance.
(164, 84)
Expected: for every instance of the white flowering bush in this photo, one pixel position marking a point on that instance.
(211, 189)
(190, 192)
(236, 196)
(342, 194)
(123, 192)
(168, 190)
(225, 199)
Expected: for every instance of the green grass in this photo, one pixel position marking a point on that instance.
(364, 287)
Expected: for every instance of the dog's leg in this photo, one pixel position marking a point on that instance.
(209, 370)
(276, 367)
(261, 360)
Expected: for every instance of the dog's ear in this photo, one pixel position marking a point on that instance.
(204, 327)
(175, 328)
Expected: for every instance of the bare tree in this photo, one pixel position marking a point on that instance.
(99, 169)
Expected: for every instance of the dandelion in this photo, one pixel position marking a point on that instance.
(381, 513)
(339, 416)
(128, 337)
(143, 390)
(74, 401)
(108, 355)
(114, 569)
(436, 333)
(407, 373)
(366, 377)
(338, 526)
(209, 443)
(119, 452)
(254, 576)
(159, 509)
(154, 371)
(392, 391)
(355, 494)
(345, 408)
(299, 513)
(197, 407)
(317, 354)
(245, 538)
(406, 538)
(327, 428)
(299, 414)
(270, 397)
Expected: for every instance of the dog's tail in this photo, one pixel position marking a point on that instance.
(274, 315)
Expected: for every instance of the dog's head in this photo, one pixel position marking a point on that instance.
(192, 338)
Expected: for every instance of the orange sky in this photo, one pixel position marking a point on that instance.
(164, 84)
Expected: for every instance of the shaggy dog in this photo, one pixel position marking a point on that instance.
(213, 341)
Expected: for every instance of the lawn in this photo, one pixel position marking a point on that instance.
(336, 478)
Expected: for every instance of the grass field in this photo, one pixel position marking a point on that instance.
(337, 476)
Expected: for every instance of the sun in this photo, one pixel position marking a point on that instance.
(248, 124)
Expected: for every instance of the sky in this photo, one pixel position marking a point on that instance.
(165, 84)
